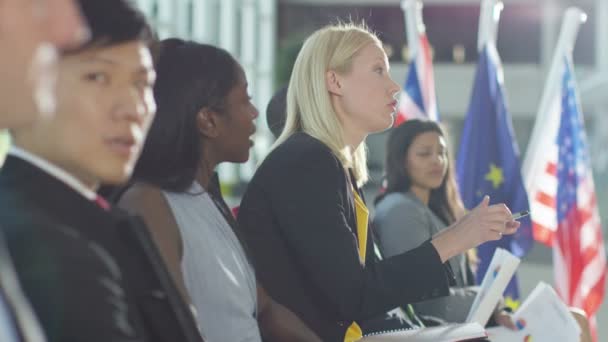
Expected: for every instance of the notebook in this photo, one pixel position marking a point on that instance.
(444, 333)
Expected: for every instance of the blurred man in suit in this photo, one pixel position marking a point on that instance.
(30, 33)
(90, 271)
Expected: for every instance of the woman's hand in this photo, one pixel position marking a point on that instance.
(502, 315)
(484, 223)
(503, 318)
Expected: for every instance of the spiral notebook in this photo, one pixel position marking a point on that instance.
(443, 333)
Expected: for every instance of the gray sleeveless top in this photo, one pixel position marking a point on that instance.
(218, 276)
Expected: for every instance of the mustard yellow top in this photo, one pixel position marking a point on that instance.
(354, 332)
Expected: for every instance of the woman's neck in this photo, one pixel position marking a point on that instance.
(206, 168)
(351, 134)
(353, 143)
(422, 194)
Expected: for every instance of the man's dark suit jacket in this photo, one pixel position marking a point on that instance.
(90, 274)
(299, 222)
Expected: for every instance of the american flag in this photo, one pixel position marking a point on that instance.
(578, 247)
(417, 99)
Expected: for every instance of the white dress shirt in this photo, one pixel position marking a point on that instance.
(53, 170)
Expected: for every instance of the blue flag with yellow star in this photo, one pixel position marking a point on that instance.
(488, 162)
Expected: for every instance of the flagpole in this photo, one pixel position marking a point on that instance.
(573, 18)
(489, 16)
(414, 25)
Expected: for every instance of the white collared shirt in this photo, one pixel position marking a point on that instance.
(53, 170)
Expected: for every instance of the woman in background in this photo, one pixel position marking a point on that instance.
(421, 199)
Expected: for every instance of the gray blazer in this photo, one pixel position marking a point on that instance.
(401, 223)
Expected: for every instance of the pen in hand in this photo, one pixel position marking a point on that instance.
(521, 214)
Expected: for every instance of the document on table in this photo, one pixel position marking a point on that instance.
(542, 317)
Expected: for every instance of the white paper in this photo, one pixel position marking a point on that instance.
(542, 317)
(443, 333)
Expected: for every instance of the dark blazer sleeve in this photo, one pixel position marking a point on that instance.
(73, 285)
(309, 200)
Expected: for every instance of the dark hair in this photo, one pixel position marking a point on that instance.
(113, 22)
(276, 112)
(443, 201)
(190, 77)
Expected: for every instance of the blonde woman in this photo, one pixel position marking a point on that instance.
(303, 216)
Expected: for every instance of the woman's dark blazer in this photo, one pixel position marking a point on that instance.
(298, 220)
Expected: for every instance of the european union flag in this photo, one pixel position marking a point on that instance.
(488, 161)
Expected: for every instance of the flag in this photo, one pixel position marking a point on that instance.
(417, 98)
(541, 178)
(579, 257)
(488, 162)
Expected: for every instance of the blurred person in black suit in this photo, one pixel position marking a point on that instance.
(91, 271)
(30, 33)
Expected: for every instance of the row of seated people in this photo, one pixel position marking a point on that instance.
(303, 224)
(300, 263)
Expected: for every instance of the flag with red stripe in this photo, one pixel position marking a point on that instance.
(540, 177)
(418, 99)
(578, 246)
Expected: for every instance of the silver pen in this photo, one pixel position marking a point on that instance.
(520, 214)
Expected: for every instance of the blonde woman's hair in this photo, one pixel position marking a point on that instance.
(309, 107)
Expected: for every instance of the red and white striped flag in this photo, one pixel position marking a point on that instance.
(541, 179)
(418, 99)
(563, 202)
